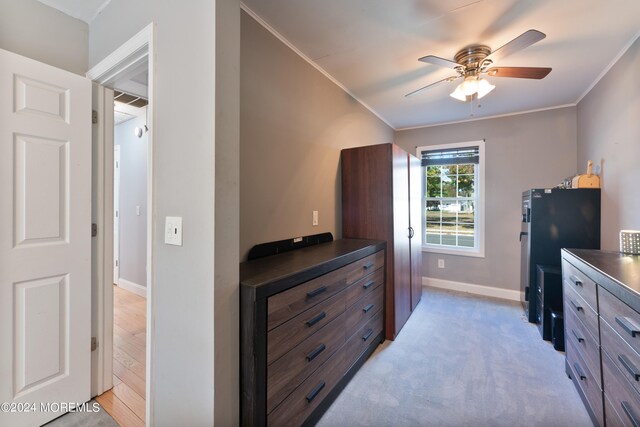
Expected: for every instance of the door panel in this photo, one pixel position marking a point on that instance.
(415, 219)
(45, 207)
(401, 248)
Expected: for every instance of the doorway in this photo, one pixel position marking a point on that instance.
(126, 401)
(124, 313)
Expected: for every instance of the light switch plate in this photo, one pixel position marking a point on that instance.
(173, 230)
(314, 218)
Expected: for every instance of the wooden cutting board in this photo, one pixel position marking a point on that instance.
(587, 180)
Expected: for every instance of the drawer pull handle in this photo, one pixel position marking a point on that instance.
(578, 337)
(576, 306)
(315, 391)
(319, 349)
(316, 292)
(316, 319)
(630, 414)
(628, 326)
(368, 284)
(629, 366)
(368, 265)
(581, 374)
(367, 335)
(575, 280)
(367, 308)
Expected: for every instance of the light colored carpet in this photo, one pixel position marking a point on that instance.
(461, 360)
(84, 419)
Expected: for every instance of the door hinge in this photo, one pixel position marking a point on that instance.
(94, 343)
(117, 263)
(94, 117)
(94, 230)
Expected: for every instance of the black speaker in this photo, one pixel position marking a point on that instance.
(557, 330)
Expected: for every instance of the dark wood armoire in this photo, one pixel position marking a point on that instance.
(382, 199)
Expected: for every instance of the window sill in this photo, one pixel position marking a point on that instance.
(476, 253)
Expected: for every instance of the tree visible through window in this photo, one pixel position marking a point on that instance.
(451, 197)
(450, 204)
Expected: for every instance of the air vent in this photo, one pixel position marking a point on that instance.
(133, 100)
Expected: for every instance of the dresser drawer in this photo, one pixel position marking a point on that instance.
(622, 355)
(299, 404)
(611, 416)
(286, 336)
(582, 376)
(364, 286)
(622, 318)
(580, 283)
(285, 374)
(582, 340)
(287, 304)
(359, 341)
(363, 310)
(624, 399)
(575, 304)
(363, 267)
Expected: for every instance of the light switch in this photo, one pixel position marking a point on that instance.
(173, 230)
(315, 218)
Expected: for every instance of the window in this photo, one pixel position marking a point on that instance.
(453, 198)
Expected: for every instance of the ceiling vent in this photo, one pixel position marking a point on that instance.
(127, 106)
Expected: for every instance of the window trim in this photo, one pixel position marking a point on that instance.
(477, 251)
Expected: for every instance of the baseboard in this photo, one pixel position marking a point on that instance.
(488, 291)
(132, 287)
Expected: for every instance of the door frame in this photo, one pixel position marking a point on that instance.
(116, 219)
(135, 51)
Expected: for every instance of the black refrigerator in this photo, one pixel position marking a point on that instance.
(553, 219)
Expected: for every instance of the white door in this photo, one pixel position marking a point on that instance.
(45, 232)
(116, 214)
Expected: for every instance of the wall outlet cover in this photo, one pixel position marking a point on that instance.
(173, 230)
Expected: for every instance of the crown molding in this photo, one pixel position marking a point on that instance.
(290, 45)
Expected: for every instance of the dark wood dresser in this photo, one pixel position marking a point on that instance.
(602, 330)
(309, 318)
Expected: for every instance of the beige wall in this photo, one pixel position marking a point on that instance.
(293, 124)
(522, 151)
(31, 29)
(609, 134)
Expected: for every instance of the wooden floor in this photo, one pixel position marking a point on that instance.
(125, 402)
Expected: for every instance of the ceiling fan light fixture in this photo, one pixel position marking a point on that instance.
(469, 86)
(484, 87)
(458, 94)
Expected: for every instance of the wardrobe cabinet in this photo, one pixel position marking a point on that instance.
(382, 199)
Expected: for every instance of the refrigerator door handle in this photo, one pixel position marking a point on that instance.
(523, 233)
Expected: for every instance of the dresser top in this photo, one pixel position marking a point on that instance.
(275, 273)
(616, 272)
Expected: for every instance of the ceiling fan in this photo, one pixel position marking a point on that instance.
(475, 60)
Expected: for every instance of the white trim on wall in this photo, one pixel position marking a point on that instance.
(135, 51)
(130, 286)
(471, 288)
(290, 45)
(613, 62)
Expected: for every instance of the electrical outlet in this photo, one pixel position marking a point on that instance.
(315, 218)
(440, 263)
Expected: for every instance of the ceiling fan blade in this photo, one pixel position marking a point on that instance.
(448, 79)
(440, 62)
(519, 72)
(525, 39)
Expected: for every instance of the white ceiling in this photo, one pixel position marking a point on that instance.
(371, 48)
(85, 10)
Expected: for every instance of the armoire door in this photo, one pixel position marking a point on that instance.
(401, 231)
(417, 230)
